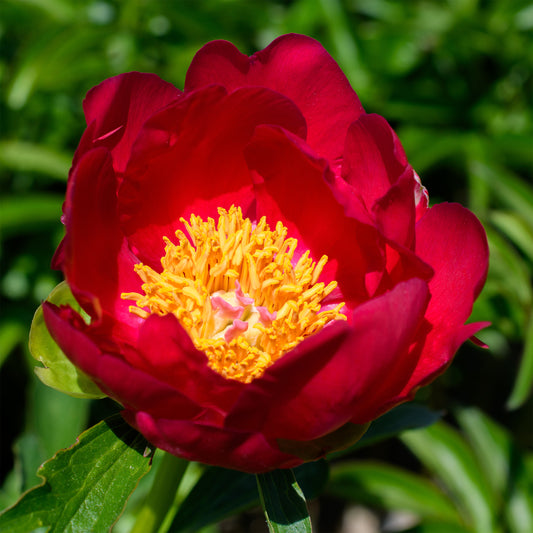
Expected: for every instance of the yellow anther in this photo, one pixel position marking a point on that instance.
(208, 263)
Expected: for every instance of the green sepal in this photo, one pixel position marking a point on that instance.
(57, 370)
(86, 486)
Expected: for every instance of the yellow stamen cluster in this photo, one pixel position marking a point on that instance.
(209, 264)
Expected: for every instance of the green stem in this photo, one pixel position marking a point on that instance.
(162, 494)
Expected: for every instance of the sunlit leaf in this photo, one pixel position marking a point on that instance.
(506, 264)
(504, 466)
(449, 458)
(508, 187)
(24, 156)
(424, 155)
(59, 10)
(388, 487)
(439, 527)
(492, 446)
(86, 486)
(10, 490)
(53, 421)
(344, 43)
(516, 229)
(11, 333)
(524, 378)
(23, 213)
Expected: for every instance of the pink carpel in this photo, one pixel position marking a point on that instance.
(229, 311)
(238, 327)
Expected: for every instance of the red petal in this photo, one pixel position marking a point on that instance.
(189, 159)
(373, 158)
(173, 358)
(195, 441)
(294, 190)
(453, 242)
(297, 67)
(130, 386)
(326, 380)
(402, 265)
(395, 212)
(97, 262)
(116, 109)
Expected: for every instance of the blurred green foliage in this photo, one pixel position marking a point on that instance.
(454, 77)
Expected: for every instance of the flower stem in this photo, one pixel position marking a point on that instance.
(162, 494)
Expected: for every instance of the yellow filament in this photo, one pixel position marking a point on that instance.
(209, 263)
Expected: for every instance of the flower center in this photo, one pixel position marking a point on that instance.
(238, 291)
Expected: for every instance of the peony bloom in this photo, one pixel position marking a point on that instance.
(262, 271)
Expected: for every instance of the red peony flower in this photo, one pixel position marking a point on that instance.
(261, 269)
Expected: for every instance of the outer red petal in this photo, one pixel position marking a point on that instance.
(402, 265)
(116, 109)
(248, 452)
(292, 187)
(373, 158)
(130, 386)
(296, 66)
(173, 358)
(97, 262)
(453, 242)
(395, 212)
(189, 159)
(322, 383)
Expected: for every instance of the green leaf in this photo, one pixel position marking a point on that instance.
(10, 491)
(46, 55)
(11, 333)
(451, 460)
(58, 372)
(504, 466)
(41, 439)
(24, 156)
(508, 187)
(516, 229)
(438, 527)
(26, 213)
(388, 487)
(524, 377)
(86, 486)
(491, 444)
(401, 418)
(283, 502)
(345, 47)
(220, 493)
(70, 416)
(519, 503)
(515, 146)
(424, 155)
(507, 264)
(59, 10)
